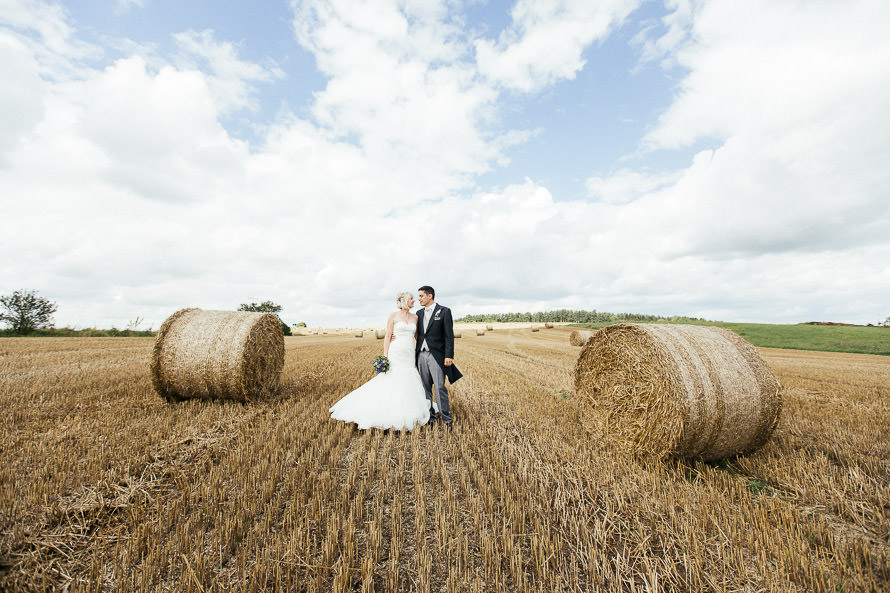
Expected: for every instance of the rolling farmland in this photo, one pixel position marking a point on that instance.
(106, 487)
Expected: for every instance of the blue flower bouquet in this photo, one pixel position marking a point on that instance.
(381, 364)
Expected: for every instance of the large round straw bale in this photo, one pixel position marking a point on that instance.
(480, 332)
(380, 334)
(685, 391)
(489, 328)
(579, 337)
(457, 334)
(548, 325)
(217, 355)
(536, 328)
(359, 334)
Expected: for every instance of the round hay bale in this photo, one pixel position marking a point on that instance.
(489, 328)
(692, 392)
(217, 355)
(579, 337)
(359, 334)
(380, 334)
(548, 325)
(480, 332)
(457, 334)
(536, 328)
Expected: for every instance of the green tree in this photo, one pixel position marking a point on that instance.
(25, 311)
(266, 307)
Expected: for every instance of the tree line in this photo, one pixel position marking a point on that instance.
(571, 316)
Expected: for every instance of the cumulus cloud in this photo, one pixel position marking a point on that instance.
(145, 203)
(792, 97)
(402, 84)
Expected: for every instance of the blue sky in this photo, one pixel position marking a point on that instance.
(684, 157)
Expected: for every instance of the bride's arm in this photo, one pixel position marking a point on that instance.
(388, 338)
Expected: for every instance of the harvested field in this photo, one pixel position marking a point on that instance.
(104, 486)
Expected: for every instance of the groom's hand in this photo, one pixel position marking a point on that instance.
(448, 361)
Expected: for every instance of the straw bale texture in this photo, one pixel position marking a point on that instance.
(480, 332)
(548, 325)
(457, 334)
(217, 355)
(359, 334)
(684, 391)
(536, 328)
(489, 328)
(579, 337)
(380, 334)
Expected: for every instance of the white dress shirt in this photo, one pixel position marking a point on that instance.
(426, 323)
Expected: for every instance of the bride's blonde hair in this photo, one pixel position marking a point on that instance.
(402, 300)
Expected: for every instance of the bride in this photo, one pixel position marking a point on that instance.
(394, 399)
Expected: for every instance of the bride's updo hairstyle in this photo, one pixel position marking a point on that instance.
(402, 300)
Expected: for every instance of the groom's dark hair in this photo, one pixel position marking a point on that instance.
(429, 290)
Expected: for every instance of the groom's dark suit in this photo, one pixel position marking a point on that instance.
(439, 340)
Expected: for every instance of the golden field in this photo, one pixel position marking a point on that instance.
(106, 487)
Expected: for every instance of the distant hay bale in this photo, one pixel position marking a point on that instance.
(359, 334)
(548, 325)
(457, 334)
(536, 328)
(683, 391)
(380, 334)
(579, 337)
(480, 332)
(489, 328)
(217, 355)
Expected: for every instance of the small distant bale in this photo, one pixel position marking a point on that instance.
(457, 334)
(359, 334)
(536, 328)
(579, 337)
(480, 332)
(548, 325)
(201, 354)
(684, 391)
(380, 334)
(489, 328)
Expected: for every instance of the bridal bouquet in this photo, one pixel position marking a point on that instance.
(381, 364)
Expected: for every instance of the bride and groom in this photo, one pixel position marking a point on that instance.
(420, 349)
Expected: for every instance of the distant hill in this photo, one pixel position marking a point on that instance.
(857, 339)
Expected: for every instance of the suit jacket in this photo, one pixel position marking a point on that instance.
(439, 338)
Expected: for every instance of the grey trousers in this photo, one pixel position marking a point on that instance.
(432, 375)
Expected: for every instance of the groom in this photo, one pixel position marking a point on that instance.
(434, 351)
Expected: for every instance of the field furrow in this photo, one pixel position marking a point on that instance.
(104, 486)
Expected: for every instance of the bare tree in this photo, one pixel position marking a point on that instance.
(25, 311)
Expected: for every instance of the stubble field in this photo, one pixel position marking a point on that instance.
(106, 487)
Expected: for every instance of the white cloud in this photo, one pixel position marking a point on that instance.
(124, 5)
(145, 203)
(626, 185)
(229, 77)
(793, 96)
(401, 84)
(546, 41)
(19, 111)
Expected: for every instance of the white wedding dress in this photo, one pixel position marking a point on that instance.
(394, 399)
